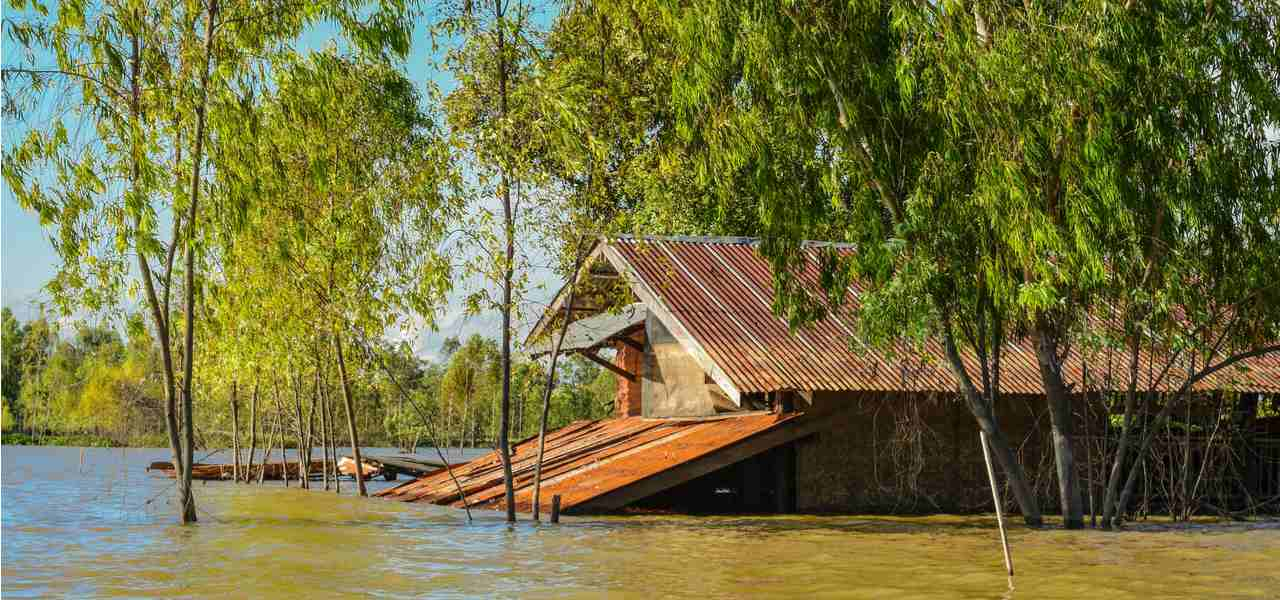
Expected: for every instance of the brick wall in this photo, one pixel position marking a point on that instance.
(627, 401)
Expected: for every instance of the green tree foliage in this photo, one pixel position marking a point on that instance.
(148, 80)
(1003, 171)
(335, 219)
(292, 204)
(101, 387)
(94, 385)
(11, 367)
(470, 390)
(833, 125)
(604, 83)
(494, 123)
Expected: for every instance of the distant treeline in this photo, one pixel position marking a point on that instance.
(90, 385)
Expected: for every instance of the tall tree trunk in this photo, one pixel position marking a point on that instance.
(333, 440)
(282, 428)
(266, 455)
(235, 433)
(508, 223)
(996, 439)
(311, 439)
(324, 447)
(324, 427)
(253, 430)
(189, 291)
(1059, 398)
(349, 404)
(1111, 496)
(159, 310)
(551, 382)
(302, 439)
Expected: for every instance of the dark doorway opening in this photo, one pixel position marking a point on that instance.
(764, 483)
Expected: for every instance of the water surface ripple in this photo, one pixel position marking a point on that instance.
(105, 528)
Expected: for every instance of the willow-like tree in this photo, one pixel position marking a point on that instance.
(1018, 84)
(147, 79)
(1006, 169)
(839, 137)
(1180, 167)
(130, 67)
(1126, 172)
(342, 205)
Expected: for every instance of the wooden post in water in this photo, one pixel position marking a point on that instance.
(333, 449)
(253, 431)
(235, 434)
(324, 429)
(995, 495)
(555, 508)
(269, 438)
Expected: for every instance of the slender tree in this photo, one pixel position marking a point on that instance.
(488, 120)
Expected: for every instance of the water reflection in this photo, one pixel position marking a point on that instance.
(105, 528)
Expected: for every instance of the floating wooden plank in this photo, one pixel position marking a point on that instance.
(215, 472)
(347, 466)
(393, 465)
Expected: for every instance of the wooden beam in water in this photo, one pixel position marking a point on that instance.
(413, 466)
(218, 472)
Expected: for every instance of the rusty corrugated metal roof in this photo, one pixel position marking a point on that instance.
(720, 291)
(589, 459)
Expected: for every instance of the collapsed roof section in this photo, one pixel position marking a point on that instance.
(602, 466)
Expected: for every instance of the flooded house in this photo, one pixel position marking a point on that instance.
(722, 408)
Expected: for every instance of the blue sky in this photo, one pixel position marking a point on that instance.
(27, 260)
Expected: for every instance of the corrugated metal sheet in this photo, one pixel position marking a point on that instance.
(721, 291)
(593, 331)
(588, 459)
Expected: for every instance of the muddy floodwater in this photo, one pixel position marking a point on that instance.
(95, 524)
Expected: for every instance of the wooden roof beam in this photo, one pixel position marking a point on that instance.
(595, 358)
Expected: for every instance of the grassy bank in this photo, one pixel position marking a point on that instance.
(19, 438)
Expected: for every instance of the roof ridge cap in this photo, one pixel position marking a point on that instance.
(715, 239)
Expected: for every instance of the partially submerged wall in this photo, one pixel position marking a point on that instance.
(906, 453)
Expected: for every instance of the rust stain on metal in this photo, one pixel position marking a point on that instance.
(588, 459)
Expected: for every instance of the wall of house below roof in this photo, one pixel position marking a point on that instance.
(907, 453)
(673, 383)
(919, 453)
